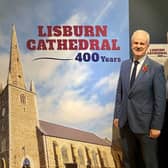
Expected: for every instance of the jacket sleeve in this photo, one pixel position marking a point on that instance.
(159, 89)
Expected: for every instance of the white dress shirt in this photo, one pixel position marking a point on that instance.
(141, 61)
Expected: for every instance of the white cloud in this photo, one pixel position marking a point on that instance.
(73, 108)
(107, 83)
(77, 18)
(39, 71)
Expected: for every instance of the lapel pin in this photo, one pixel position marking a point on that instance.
(145, 68)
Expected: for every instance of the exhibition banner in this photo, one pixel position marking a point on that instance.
(72, 50)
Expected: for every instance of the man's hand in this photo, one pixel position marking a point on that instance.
(116, 122)
(154, 133)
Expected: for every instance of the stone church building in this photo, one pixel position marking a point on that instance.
(26, 142)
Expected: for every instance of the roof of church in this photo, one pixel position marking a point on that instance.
(59, 131)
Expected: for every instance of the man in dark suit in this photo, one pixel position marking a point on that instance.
(140, 105)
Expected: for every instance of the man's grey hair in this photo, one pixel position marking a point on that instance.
(141, 31)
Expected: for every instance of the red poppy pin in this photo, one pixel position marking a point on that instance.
(145, 68)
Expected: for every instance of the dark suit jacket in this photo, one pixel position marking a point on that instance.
(143, 105)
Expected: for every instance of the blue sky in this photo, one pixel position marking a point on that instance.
(70, 93)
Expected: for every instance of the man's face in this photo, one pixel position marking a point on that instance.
(139, 45)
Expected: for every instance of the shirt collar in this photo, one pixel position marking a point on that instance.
(141, 59)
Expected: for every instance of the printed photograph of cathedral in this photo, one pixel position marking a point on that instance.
(27, 142)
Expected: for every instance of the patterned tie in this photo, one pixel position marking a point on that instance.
(133, 76)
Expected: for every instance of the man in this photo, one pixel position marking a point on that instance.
(140, 104)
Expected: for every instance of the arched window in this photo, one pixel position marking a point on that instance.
(3, 145)
(2, 163)
(3, 111)
(26, 163)
(23, 99)
(64, 154)
(81, 157)
(105, 158)
(94, 156)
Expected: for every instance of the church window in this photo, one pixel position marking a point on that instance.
(94, 156)
(23, 99)
(26, 163)
(3, 111)
(105, 159)
(64, 154)
(81, 157)
(2, 126)
(3, 145)
(2, 163)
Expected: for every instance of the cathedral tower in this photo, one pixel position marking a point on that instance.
(18, 116)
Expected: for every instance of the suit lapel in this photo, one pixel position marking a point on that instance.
(127, 75)
(140, 75)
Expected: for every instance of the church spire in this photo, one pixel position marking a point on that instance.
(15, 74)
